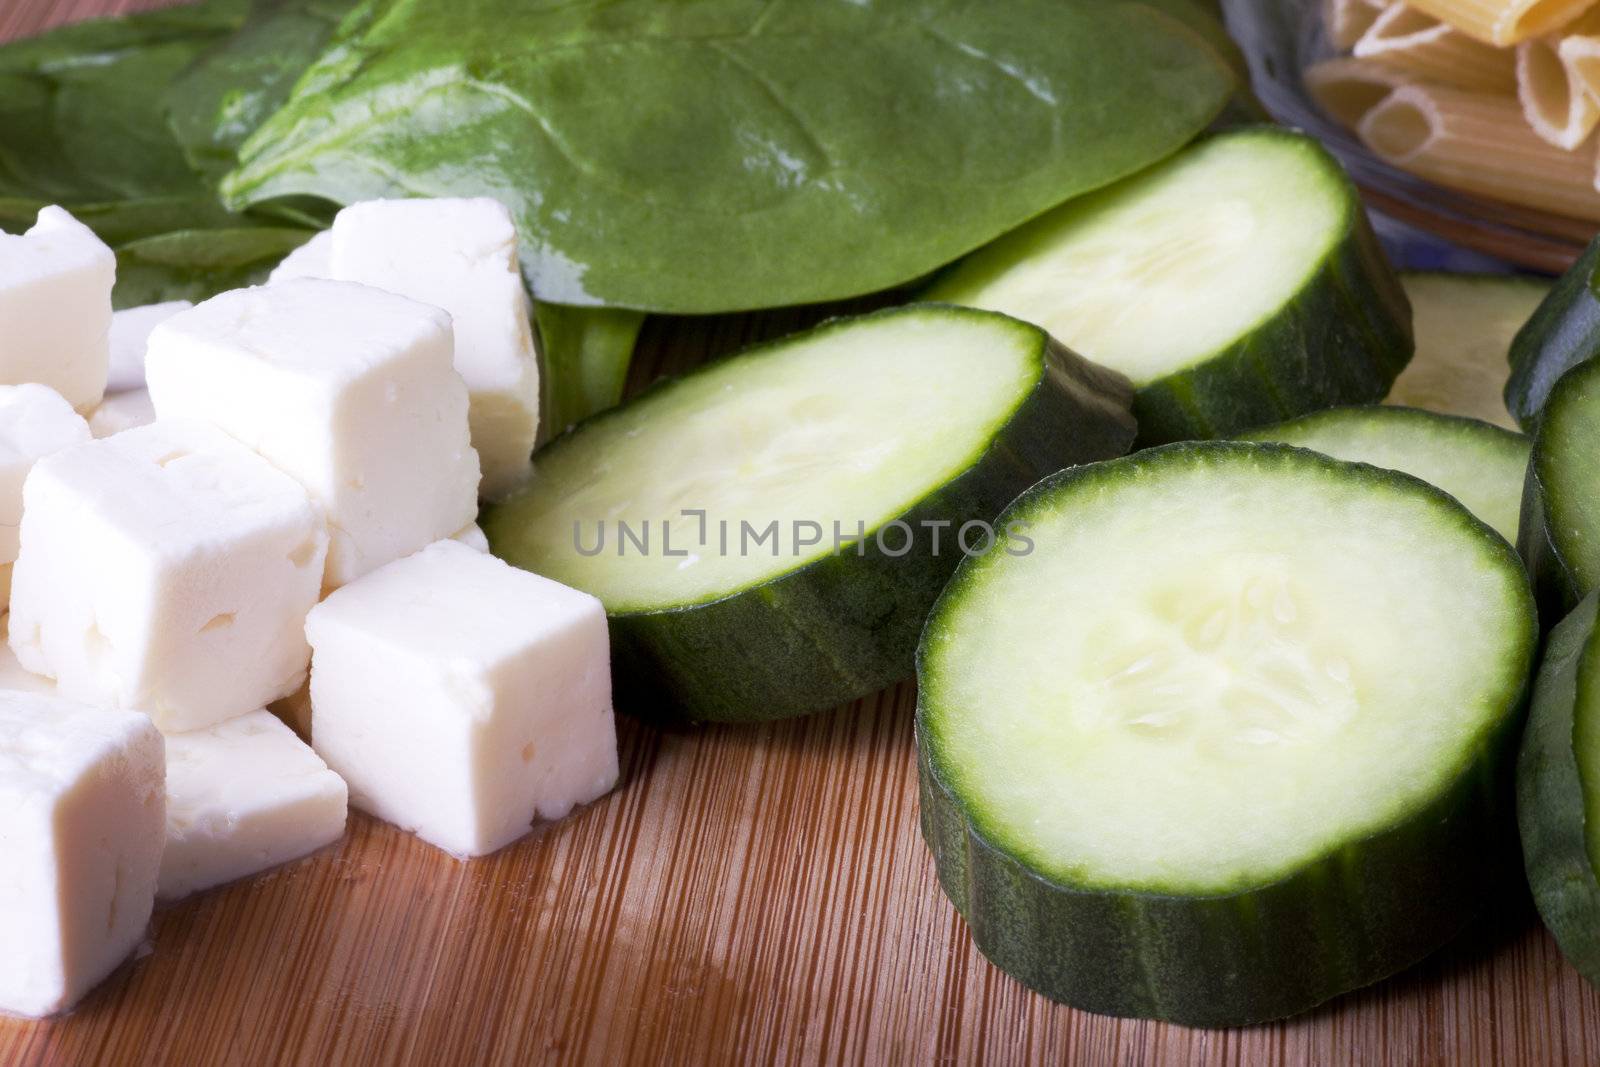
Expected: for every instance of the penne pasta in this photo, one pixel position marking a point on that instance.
(1551, 83)
(1429, 50)
(1347, 88)
(1478, 143)
(1580, 54)
(1347, 20)
(1504, 22)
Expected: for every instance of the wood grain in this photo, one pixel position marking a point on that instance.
(752, 895)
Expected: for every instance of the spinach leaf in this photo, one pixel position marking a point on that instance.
(698, 156)
(175, 247)
(82, 107)
(1204, 18)
(98, 41)
(120, 221)
(88, 132)
(83, 124)
(584, 357)
(237, 83)
(196, 264)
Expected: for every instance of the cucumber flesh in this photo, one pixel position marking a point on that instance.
(1558, 789)
(923, 413)
(853, 425)
(1479, 464)
(1560, 534)
(1235, 284)
(1150, 279)
(1223, 743)
(1464, 326)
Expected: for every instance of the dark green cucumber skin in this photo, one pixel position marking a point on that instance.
(1563, 332)
(1556, 581)
(1555, 587)
(1343, 340)
(1351, 918)
(1550, 804)
(848, 625)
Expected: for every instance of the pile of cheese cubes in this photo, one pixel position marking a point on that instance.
(203, 506)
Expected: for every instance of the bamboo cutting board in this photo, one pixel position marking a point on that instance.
(750, 895)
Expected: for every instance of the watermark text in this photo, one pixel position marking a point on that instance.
(694, 534)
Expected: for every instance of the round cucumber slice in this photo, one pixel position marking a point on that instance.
(1563, 332)
(1227, 738)
(1560, 534)
(1464, 327)
(1558, 789)
(1236, 284)
(1480, 465)
(866, 445)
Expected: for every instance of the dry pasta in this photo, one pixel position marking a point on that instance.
(1580, 54)
(1504, 22)
(1347, 20)
(1432, 51)
(1347, 88)
(1479, 143)
(1555, 99)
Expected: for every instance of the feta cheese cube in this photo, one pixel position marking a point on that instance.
(346, 388)
(310, 260)
(130, 335)
(34, 422)
(462, 698)
(127, 403)
(473, 537)
(243, 796)
(55, 307)
(13, 675)
(167, 569)
(122, 411)
(460, 255)
(82, 822)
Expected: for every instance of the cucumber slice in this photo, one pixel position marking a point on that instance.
(1464, 325)
(1560, 533)
(1256, 763)
(1563, 332)
(1236, 284)
(878, 429)
(1558, 789)
(1480, 465)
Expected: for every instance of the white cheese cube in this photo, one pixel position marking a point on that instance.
(460, 255)
(244, 796)
(167, 569)
(473, 537)
(34, 422)
(82, 824)
(346, 388)
(462, 698)
(130, 334)
(13, 676)
(122, 411)
(310, 260)
(127, 403)
(55, 307)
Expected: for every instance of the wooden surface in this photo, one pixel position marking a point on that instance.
(746, 895)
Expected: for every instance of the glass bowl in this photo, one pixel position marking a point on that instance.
(1279, 39)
